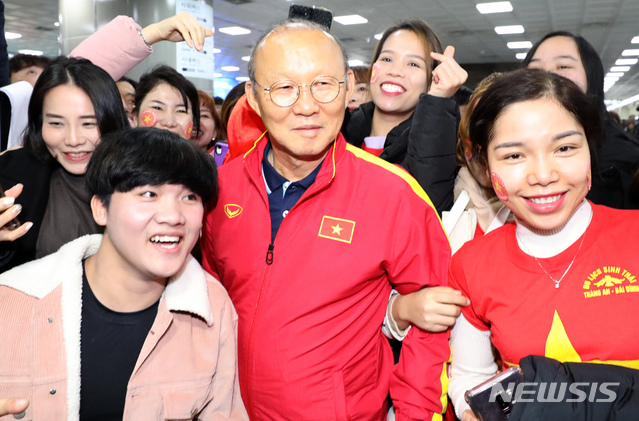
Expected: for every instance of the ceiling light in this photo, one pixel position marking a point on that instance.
(216, 50)
(32, 52)
(521, 56)
(494, 7)
(626, 53)
(12, 35)
(615, 74)
(378, 36)
(511, 29)
(626, 61)
(230, 68)
(609, 79)
(350, 19)
(217, 74)
(56, 24)
(619, 68)
(234, 30)
(246, 58)
(242, 79)
(635, 40)
(515, 45)
(352, 63)
(626, 101)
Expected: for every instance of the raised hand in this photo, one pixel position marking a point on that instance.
(448, 76)
(181, 27)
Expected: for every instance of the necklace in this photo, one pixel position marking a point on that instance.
(556, 281)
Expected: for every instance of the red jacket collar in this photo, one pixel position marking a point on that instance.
(253, 160)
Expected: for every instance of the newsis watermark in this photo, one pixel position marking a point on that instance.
(554, 392)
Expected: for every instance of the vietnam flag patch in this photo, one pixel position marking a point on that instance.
(337, 229)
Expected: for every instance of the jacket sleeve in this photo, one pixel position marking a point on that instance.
(117, 47)
(421, 255)
(226, 403)
(430, 156)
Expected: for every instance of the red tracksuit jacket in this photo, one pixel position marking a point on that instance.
(311, 304)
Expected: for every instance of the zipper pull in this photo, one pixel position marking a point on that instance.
(269, 254)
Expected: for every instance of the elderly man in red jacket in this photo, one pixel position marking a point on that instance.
(309, 236)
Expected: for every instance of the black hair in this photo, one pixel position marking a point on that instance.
(231, 99)
(589, 59)
(170, 76)
(463, 94)
(150, 156)
(527, 85)
(22, 61)
(129, 81)
(93, 80)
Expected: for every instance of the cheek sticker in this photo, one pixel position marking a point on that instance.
(374, 73)
(589, 177)
(189, 130)
(148, 118)
(499, 186)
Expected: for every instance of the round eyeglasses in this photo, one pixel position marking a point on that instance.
(285, 93)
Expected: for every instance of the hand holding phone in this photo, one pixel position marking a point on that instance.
(493, 399)
(10, 226)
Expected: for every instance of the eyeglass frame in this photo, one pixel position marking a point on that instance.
(299, 89)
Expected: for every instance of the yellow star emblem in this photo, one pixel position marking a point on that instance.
(559, 347)
(147, 118)
(337, 229)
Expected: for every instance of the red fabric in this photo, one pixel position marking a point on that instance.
(478, 231)
(243, 128)
(374, 151)
(512, 297)
(310, 345)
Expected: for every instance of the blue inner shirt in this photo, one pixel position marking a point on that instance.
(282, 194)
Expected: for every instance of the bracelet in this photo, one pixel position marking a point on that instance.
(143, 39)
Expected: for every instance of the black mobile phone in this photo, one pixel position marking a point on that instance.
(490, 402)
(14, 223)
(319, 15)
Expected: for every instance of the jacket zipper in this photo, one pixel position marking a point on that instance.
(269, 262)
(269, 254)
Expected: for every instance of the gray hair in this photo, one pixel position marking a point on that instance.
(296, 25)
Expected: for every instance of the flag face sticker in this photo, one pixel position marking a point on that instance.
(148, 118)
(337, 229)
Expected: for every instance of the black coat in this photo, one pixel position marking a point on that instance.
(23, 166)
(618, 160)
(623, 407)
(424, 144)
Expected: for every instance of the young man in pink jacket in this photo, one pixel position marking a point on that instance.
(127, 325)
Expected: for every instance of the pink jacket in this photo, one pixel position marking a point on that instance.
(117, 47)
(187, 368)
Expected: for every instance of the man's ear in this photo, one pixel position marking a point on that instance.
(99, 211)
(350, 86)
(251, 98)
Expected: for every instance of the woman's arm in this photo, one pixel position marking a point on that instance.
(473, 362)
(121, 44)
